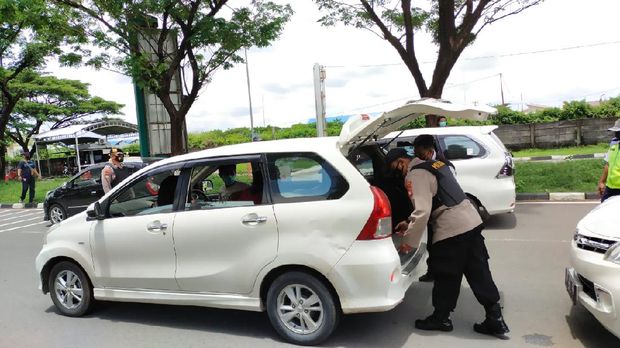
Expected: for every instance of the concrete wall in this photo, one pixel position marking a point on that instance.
(555, 134)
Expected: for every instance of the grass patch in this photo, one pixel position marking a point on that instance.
(565, 176)
(563, 151)
(11, 191)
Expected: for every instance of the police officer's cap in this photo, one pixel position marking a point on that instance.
(395, 154)
(425, 141)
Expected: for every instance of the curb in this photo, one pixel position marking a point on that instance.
(558, 158)
(558, 196)
(21, 205)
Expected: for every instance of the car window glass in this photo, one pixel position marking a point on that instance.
(461, 147)
(225, 185)
(363, 163)
(308, 177)
(152, 194)
(89, 177)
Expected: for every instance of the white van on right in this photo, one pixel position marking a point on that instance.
(484, 167)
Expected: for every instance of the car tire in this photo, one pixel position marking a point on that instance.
(308, 324)
(57, 213)
(484, 215)
(70, 289)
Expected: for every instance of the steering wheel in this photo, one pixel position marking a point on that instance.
(199, 194)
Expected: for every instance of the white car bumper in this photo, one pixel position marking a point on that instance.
(369, 277)
(595, 284)
(500, 196)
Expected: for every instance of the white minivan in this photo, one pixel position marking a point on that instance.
(304, 236)
(484, 167)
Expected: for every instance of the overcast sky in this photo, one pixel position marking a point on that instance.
(364, 73)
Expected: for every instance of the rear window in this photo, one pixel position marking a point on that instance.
(457, 147)
(303, 177)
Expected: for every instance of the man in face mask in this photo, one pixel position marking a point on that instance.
(609, 183)
(458, 247)
(232, 188)
(114, 171)
(442, 121)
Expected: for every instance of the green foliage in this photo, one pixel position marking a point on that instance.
(201, 37)
(50, 99)
(565, 176)
(132, 149)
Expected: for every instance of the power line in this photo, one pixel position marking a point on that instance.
(558, 49)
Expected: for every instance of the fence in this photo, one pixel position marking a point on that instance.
(562, 133)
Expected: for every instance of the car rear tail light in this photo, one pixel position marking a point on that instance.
(379, 224)
(507, 169)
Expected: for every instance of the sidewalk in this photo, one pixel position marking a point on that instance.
(21, 205)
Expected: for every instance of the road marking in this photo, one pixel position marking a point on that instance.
(16, 222)
(18, 227)
(20, 216)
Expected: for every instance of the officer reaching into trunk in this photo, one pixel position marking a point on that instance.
(457, 246)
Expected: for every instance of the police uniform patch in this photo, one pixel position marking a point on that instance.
(438, 164)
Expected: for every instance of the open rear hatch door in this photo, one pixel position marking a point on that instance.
(360, 129)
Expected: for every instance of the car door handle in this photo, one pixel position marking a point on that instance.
(253, 219)
(93, 192)
(156, 226)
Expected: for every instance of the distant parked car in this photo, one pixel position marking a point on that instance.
(483, 165)
(593, 277)
(78, 193)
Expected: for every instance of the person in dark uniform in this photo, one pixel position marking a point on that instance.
(458, 245)
(114, 172)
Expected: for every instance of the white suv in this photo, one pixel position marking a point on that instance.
(300, 234)
(484, 167)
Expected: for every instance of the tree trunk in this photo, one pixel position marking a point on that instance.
(176, 135)
(2, 160)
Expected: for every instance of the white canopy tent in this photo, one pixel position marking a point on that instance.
(84, 134)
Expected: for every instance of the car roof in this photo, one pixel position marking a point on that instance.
(444, 130)
(271, 146)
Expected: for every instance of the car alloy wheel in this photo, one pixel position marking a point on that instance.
(70, 289)
(57, 214)
(300, 309)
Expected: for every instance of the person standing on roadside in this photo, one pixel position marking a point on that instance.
(458, 245)
(609, 183)
(114, 171)
(442, 121)
(26, 172)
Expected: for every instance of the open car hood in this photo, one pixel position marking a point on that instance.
(362, 128)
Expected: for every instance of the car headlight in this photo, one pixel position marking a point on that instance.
(613, 254)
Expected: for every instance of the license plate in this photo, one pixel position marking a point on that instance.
(572, 285)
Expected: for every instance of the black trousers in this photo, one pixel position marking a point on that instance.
(28, 184)
(454, 257)
(609, 192)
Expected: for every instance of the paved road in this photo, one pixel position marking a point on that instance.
(528, 250)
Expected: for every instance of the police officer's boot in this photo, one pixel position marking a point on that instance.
(493, 324)
(438, 321)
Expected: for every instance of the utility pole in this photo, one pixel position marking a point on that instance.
(247, 73)
(501, 87)
(319, 99)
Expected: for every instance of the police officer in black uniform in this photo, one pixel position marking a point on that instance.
(457, 247)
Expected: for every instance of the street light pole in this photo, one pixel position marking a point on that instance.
(247, 73)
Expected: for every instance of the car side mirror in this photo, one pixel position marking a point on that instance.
(94, 212)
(207, 185)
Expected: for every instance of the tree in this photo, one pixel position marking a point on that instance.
(30, 32)
(50, 99)
(454, 25)
(208, 35)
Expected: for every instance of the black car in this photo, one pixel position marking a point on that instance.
(78, 193)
